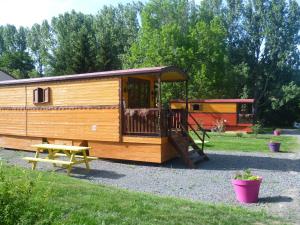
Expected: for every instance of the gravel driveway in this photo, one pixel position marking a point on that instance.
(210, 182)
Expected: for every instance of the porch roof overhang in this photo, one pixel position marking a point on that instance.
(166, 73)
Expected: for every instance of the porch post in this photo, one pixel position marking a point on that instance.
(159, 104)
(186, 96)
(186, 104)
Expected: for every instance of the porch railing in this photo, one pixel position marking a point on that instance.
(245, 118)
(151, 122)
(176, 118)
(141, 121)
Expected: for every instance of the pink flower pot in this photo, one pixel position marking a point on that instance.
(276, 132)
(246, 191)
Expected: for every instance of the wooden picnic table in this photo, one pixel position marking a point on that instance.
(74, 154)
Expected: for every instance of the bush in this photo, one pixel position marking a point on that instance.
(19, 201)
(257, 128)
(239, 134)
(219, 126)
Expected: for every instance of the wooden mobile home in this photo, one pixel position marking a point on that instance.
(237, 114)
(117, 113)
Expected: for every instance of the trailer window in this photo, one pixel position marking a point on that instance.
(41, 95)
(196, 107)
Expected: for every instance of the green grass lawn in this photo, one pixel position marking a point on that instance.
(248, 142)
(53, 198)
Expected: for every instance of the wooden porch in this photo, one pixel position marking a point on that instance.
(170, 124)
(143, 115)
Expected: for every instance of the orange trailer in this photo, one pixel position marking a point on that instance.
(236, 114)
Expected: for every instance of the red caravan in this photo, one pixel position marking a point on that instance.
(236, 114)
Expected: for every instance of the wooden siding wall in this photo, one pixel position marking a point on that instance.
(19, 142)
(13, 96)
(90, 124)
(13, 122)
(208, 120)
(94, 112)
(208, 107)
(80, 93)
(144, 149)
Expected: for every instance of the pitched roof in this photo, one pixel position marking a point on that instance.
(168, 73)
(5, 76)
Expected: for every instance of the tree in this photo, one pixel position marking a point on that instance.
(74, 49)
(116, 29)
(18, 64)
(14, 57)
(40, 42)
(263, 40)
(176, 34)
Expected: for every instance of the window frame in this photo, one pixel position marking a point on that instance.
(41, 95)
(197, 104)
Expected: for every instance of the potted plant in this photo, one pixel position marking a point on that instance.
(274, 146)
(246, 186)
(277, 132)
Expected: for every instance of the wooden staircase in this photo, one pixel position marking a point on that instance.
(181, 139)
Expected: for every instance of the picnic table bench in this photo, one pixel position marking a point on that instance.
(56, 151)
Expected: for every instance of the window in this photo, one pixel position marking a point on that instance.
(41, 95)
(196, 107)
(245, 114)
(138, 93)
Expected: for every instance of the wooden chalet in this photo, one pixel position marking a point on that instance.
(117, 113)
(237, 114)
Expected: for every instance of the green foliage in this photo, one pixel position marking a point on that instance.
(248, 142)
(257, 128)
(74, 201)
(194, 45)
(18, 201)
(263, 40)
(18, 64)
(116, 28)
(75, 44)
(246, 175)
(239, 134)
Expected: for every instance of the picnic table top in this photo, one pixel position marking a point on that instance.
(61, 147)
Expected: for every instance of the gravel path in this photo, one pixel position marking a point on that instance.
(210, 182)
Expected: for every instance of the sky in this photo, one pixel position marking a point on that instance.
(27, 12)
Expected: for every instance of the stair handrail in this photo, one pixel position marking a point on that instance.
(198, 125)
(186, 131)
(180, 123)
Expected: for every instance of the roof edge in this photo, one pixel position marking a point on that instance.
(95, 75)
(232, 100)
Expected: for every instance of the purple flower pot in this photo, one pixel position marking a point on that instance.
(274, 146)
(246, 191)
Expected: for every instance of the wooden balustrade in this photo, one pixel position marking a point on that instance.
(141, 121)
(150, 122)
(245, 118)
(176, 118)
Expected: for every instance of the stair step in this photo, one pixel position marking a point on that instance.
(190, 156)
(195, 157)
